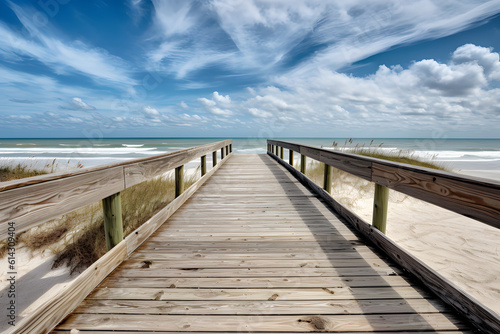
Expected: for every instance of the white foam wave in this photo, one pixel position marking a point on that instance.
(133, 145)
(256, 150)
(80, 150)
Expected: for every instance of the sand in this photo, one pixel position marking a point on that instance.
(463, 250)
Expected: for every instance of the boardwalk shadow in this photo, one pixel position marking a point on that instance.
(314, 217)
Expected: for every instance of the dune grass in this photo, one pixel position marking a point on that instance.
(77, 238)
(349, 189)
(398, 155)
(19, 171)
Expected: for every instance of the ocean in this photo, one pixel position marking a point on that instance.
(480, 157)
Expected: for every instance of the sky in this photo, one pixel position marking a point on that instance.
(250, 68)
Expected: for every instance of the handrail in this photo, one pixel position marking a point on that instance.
(32, 201)
(473, 197)
(470, 196)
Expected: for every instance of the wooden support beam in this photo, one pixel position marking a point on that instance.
(227, 149)
(203, 165)
(281, 152)
(380, 203)
(303, 164)
(327, 180)
(230, 148)
(179, 181)
(290, 157)
(222, 153)
(214, 158)
(113, 224)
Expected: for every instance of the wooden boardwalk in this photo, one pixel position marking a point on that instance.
(255, 251)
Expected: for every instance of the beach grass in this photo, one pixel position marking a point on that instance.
(8, 173)
(77, 238)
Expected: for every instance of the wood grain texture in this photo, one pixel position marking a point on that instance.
(470, 196)
(33, 201)
(50, 313)
(465, 304)
(304, 323)
(54, 310)
(231, 255)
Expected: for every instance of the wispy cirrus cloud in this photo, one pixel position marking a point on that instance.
(263, 37)
(62, 57)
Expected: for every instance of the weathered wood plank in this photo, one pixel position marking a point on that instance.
(479, 314)
(307, 323)
(325, 293)
(256, 272)
(34, 204)
(275, 307)
(256, 282)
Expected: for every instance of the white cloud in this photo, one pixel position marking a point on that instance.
(258, 36)
(484, 57)
(78, 104)
(422, 96)
(218, 105)
(74, 57)
(150, 111)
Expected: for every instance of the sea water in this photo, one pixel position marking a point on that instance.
(470, 156)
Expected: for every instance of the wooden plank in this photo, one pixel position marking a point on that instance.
(307, 323)
(466, 305)
(152, 262)
(37, 203)
(325, 293)
(54, 310)
(62, 331)
(256, 272)
(256, 282)
(145, 230)
(275, 307)
(473, 199)
(48, 315)
(146, 169)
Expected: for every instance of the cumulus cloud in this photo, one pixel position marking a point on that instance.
(150, 111)
(218, 105)
(424, 94)
(80, 105)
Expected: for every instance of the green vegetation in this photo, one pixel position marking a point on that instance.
(18, 172)
(402, 156)
(77, 238)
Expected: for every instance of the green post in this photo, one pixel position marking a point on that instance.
(214, 158)
(230, 148)
(222, 153)
(327, 180)
(113, 224)
(290, 157)
(179, 181)
(227, 149)
(380, 203)
(281, 152)
(203, 165)
(302, 164)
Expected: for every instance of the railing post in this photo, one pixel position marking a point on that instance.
(214, 158)
(327, 180)
(203, 165)
(230, 148)
(113, 224)
(222, 153)
(303, 164)
(179, 181)
(380, 203)
(290, 157)
(227, 150)
(281, 152)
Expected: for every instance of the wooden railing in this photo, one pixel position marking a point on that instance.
(30, 202)
(472, 197)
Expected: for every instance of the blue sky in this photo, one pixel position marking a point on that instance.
(236, 68)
